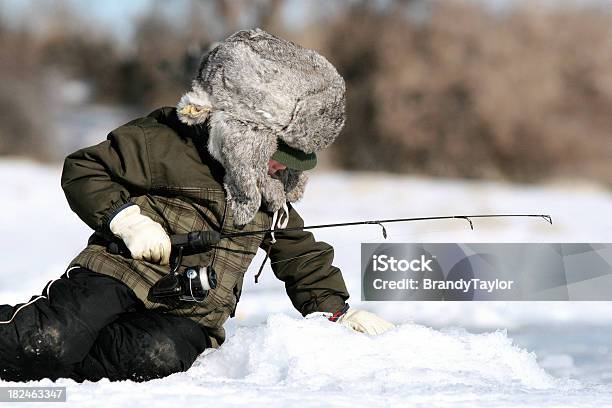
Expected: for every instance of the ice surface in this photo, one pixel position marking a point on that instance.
(273, 357)
(313, 363)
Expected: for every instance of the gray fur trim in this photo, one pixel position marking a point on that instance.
(255, 88)
(244, 151)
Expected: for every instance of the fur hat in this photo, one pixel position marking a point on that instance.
(252, 89)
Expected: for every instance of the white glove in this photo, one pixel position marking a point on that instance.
(145, 238)
(365, 322)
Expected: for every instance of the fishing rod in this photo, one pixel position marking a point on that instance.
(195, 282)
(199, 240)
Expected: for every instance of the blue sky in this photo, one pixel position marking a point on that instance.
(113, 16)
(116, 16)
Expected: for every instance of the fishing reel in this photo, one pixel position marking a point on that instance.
(189, 284)
(192, 283)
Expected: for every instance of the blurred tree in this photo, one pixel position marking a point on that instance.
(448, 88)
(465, 93)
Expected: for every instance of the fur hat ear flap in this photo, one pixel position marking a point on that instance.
(194, 107)
(244, 151)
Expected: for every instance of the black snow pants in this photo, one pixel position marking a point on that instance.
(89, 326)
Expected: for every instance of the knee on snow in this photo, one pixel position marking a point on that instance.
(46, 344)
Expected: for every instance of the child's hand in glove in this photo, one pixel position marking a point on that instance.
(365, 322)
(145, 238)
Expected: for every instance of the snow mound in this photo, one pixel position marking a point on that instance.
(314, 354)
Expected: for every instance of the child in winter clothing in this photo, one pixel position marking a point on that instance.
(229, 158)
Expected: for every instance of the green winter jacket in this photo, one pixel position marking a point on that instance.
(163, 166)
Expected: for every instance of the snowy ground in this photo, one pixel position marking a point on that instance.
(441, 354)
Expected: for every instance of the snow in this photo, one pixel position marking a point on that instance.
(310, 355)
(440, 354)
